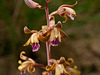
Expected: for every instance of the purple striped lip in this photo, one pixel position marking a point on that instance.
(35, 47)
(55, 42)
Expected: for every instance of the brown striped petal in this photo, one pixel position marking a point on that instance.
(27, 31)
(63, 34)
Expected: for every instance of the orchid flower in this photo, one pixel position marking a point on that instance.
(29, 64)
(43, 35)
(65, 11)
(26, 65)
(63, 67)
(56, 34)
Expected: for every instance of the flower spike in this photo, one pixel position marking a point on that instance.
(33, 4)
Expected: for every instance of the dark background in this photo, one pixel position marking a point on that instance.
(82, 44)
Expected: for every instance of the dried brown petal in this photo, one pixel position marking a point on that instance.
(64, 62)
(58, 25)
(63, 34)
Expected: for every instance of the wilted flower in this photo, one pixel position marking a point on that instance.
(33, 4)
(43, 35)
(63, 67)
(26, 65)
(56, 34)
(65, 11)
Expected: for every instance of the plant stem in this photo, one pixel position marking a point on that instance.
(48, 43)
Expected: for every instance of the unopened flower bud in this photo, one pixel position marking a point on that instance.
(32, 4)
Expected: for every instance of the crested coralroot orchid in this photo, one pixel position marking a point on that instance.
(63, 67)
(56, 34)
(65, 11)
(43, 35)
(29, 64)
(51, 34)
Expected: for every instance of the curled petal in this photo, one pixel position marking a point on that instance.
(66, 73)
(63, 34)
(32, 4)
(31, 69)
(71, 61)
(68, 5)
(22, 56)
(26, 58)
(27, 31)
(64, 62)
(51, 68)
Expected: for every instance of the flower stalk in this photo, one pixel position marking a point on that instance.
(48, 43)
